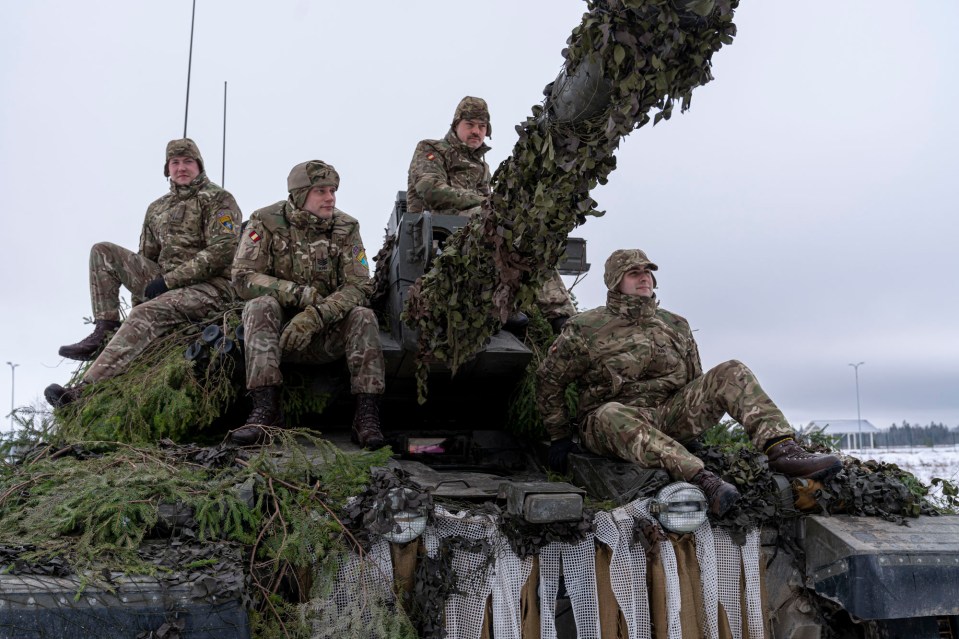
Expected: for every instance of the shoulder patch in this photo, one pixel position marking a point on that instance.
(360, 256)
(430, 157)
(226, 219)
(254, 236)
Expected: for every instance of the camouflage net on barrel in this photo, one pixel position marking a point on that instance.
(653, 56)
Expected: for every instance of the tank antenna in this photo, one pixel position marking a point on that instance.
(223, 162)
(189, 67)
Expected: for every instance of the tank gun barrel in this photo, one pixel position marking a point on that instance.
(626, 60)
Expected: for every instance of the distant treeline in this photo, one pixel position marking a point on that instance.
(907, 434)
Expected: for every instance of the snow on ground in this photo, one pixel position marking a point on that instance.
(923, 462)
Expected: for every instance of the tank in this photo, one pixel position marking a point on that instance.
(462, 527)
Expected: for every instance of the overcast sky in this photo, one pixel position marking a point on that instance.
(803, 212)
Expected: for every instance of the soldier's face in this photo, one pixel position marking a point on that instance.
(182, 169)
(320, 201)
(637, 281)
(471, 132)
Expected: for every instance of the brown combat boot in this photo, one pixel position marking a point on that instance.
(85, 349)
(721, 495)
(59, 396)
(791, 459)
(266, 413)
(366, 422)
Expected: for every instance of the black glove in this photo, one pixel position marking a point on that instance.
(154, 288)
(559, 450)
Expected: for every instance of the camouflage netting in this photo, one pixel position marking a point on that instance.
(649, 55)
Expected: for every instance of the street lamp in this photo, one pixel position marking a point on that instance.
(13, 386)
(858, 413)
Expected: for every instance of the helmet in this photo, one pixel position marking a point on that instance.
(471, 108)
(185, 147)
(623, 260)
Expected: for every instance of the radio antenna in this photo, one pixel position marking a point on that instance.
(223, 162)
(189, 67)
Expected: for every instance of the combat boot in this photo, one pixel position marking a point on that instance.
(721, 495)
(266, 414)
(791, 459)
(85, 349)
(59, 396)
(366, 422)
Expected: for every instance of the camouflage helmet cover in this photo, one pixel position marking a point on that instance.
(310, 174)
(182, 147)
(623, 260)
(306, 175)
(471, 108)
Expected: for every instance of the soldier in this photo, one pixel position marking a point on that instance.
(450, 177)
(302, 266)
(181, 272)
(642, 391)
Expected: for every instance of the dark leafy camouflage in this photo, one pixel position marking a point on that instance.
(184, 147)
(641, 387)
(652, 57)
(471, 108)
(447, 177)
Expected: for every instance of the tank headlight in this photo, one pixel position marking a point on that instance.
(679, 507)
(408, 523)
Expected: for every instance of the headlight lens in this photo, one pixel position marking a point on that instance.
(408, 523)
(680, 507)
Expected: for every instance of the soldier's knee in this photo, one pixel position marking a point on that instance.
(732, 368)
(608, 413)
(101, 249)
(258, 306)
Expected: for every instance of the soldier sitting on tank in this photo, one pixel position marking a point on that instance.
(302, 266)
(642, 392)
(181, 272)
(450, 177)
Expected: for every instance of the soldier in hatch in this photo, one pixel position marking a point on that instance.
(181, 272)
(450, 177)
(642, 391)
(302, 266)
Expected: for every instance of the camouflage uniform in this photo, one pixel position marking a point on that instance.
(290, 259)
(447, 177)
(188, 238)
(641, 387)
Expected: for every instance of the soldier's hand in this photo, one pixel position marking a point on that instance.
(558, 455)
(309, 296)
(155, 288)
(300, 331)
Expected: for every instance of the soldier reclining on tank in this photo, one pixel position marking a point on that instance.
(642, 390)
(182, 270)
(302, 266)
(450, 177)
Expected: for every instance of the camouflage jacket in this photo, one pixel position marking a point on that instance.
(446, 176)
(191, 232)
(302, 260)
(629, 351)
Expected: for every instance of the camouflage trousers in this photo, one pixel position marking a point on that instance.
(155, 318)
(652, 436)
(356, 336)
(111, 266)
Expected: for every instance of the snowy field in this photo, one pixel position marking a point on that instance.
(923, 462)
